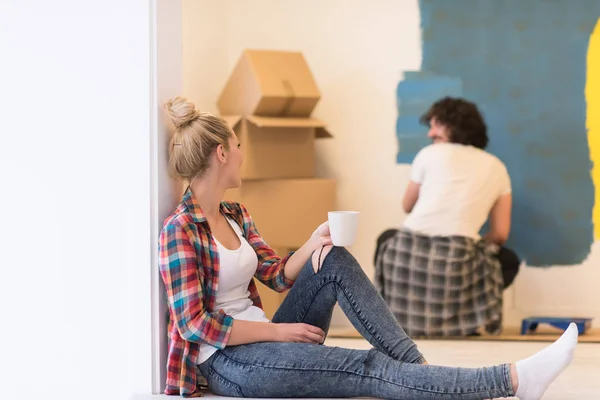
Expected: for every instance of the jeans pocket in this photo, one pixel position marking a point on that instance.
(221, 386)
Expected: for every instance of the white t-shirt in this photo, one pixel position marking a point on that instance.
(459, 186)
(237, 267)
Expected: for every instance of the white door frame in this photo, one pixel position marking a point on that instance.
(167, 82)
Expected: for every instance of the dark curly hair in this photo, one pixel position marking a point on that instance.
(462, 118)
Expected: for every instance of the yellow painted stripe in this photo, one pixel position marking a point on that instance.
(592, 96)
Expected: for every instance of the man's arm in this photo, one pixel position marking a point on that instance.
(500, 215)
(411, 195)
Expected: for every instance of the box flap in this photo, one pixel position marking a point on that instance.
(323, 133)
(283, 74)
(270, 83)
(232, 120)
(287, 122)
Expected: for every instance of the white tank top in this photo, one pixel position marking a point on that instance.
(237, 267)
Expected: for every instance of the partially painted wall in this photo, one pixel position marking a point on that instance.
(526, 65)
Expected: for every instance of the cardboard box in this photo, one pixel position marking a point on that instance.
(286, 212)
(268, 100)
(277, 148)
(270, 83)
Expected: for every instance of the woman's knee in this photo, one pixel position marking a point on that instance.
(331, 256)
(318, 257)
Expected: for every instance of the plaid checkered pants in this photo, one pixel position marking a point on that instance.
(440, 286)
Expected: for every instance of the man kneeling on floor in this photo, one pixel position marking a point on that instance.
(439, 277)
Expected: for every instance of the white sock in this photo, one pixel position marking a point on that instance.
(537, 372)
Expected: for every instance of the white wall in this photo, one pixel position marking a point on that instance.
(357, 51)
(205, 66)
(344, 42)
(78, 106)
(167, 59)
(557, 291)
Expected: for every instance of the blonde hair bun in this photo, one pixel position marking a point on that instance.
(195, 138)
(181, 111)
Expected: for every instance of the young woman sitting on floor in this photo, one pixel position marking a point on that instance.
(210, 251)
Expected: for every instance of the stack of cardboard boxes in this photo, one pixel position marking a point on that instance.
(268, 100)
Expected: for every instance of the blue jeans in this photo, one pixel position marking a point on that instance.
(393, 369)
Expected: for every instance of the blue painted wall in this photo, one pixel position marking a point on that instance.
(524, 63)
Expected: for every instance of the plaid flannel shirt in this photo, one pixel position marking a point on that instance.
(189, 266)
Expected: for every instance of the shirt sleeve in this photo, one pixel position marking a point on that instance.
(183, 281)
(271, 267)
(417, 169)
(505, 182)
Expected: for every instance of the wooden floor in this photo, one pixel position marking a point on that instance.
(581, 380)
(542, 334)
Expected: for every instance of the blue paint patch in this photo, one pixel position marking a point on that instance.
(414, 96)
(410, 145)
(524, 63)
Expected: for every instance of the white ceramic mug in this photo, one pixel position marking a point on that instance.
(343, 226)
